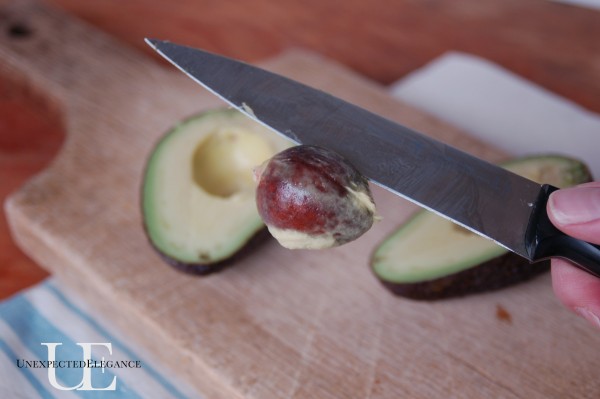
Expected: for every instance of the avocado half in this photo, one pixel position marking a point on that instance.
(429, 257)
(198, 194)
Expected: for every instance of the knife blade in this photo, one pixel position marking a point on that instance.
(481, 197)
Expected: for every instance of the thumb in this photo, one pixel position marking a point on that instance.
(576, 211)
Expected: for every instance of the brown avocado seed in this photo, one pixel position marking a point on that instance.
(310, 197)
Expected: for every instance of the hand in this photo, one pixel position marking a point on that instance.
(576, 212)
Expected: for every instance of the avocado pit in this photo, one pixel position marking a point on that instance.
(312, 198)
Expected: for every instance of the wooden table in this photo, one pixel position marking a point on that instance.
(551, 44)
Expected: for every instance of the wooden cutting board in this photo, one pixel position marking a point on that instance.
(279, 323)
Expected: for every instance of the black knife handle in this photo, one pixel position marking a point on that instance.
(546, 241)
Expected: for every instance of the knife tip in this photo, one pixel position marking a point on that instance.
(152, 42)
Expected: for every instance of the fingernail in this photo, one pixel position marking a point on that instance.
(588, 315)
(575, 205)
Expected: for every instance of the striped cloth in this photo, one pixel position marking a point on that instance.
(48, 314)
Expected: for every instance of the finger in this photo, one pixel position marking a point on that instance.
(578, 290)
(576, 211)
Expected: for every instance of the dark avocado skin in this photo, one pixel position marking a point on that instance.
(209, 267)
(500, 272)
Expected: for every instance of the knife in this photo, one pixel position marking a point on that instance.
(482, 197)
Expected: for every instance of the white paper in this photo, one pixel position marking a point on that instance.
(595, 4)
(502, 108)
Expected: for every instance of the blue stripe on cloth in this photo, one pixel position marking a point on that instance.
(34, 329)
(26, 372)
(173, 391)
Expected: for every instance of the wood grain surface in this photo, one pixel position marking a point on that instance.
(552, 44)
(278, 324)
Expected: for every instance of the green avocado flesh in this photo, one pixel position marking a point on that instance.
(429, 257)
(198, 196)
